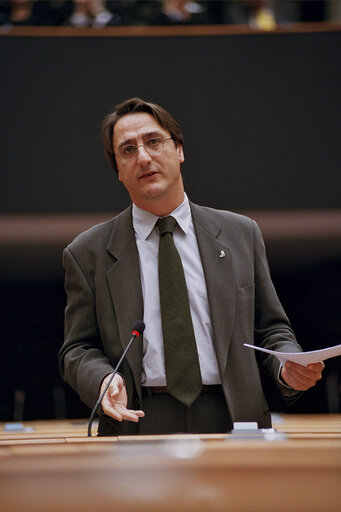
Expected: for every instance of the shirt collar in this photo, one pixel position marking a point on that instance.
(144, 222)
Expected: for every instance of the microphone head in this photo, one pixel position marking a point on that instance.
(138, 328)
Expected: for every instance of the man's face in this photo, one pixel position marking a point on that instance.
(149, 179)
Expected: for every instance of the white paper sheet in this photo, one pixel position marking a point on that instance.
(303, 358)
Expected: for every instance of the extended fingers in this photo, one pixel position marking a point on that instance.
(133, 415)
(116, 409)
(128, 414)
(119, 412)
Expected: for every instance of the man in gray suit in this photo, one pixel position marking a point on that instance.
(112, 281)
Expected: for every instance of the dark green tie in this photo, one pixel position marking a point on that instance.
(181, 355)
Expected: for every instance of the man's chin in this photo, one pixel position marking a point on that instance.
(154, 190)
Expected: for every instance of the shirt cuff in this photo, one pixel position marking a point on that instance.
(285, 389)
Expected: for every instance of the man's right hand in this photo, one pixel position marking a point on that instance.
(114, 402)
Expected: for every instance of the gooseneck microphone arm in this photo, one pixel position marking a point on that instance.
(136, 331)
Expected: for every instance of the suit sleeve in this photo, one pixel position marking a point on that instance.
(82, 362)
(272, 327)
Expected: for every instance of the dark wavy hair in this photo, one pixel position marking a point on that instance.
(133, 106)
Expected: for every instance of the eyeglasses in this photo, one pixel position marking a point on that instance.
(152, 146)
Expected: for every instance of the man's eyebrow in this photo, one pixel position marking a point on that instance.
(154, 133)
(145, 136)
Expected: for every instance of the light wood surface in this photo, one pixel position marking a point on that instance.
(52, 466)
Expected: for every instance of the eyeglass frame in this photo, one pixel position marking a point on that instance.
(142, 145)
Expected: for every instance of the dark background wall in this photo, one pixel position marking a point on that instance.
(261, 120)
(260, 115)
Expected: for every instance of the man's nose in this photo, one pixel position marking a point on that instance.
(142, 154)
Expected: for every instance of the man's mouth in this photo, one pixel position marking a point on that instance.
(148, 174)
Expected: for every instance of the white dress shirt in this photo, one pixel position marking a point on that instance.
(147, 240)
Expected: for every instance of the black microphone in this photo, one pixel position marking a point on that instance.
(136, 331)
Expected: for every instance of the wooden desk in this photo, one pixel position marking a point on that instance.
(66, 471)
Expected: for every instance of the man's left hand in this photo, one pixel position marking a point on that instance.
(301, 377)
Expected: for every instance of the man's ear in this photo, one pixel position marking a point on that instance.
(180, 152)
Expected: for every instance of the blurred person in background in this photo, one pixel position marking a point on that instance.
(78, 13)
(261, 14)
(92, 12)
(35, 13)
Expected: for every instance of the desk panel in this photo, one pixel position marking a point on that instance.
(215, 473)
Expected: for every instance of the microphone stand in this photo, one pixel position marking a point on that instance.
(135, 334)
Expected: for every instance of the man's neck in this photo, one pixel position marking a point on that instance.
(162, 208)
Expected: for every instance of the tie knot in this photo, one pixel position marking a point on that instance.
(166, 224)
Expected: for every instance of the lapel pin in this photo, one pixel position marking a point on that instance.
(222, 254)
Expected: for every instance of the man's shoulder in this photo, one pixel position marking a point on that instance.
(235, 227)
(218, 215)
(99, 234)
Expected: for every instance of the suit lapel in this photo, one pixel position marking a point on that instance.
(125, 287)
(218, 272)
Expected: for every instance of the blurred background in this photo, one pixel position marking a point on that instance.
(99, 13)
(255, 86)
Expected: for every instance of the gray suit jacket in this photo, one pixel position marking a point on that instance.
(103, 286)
